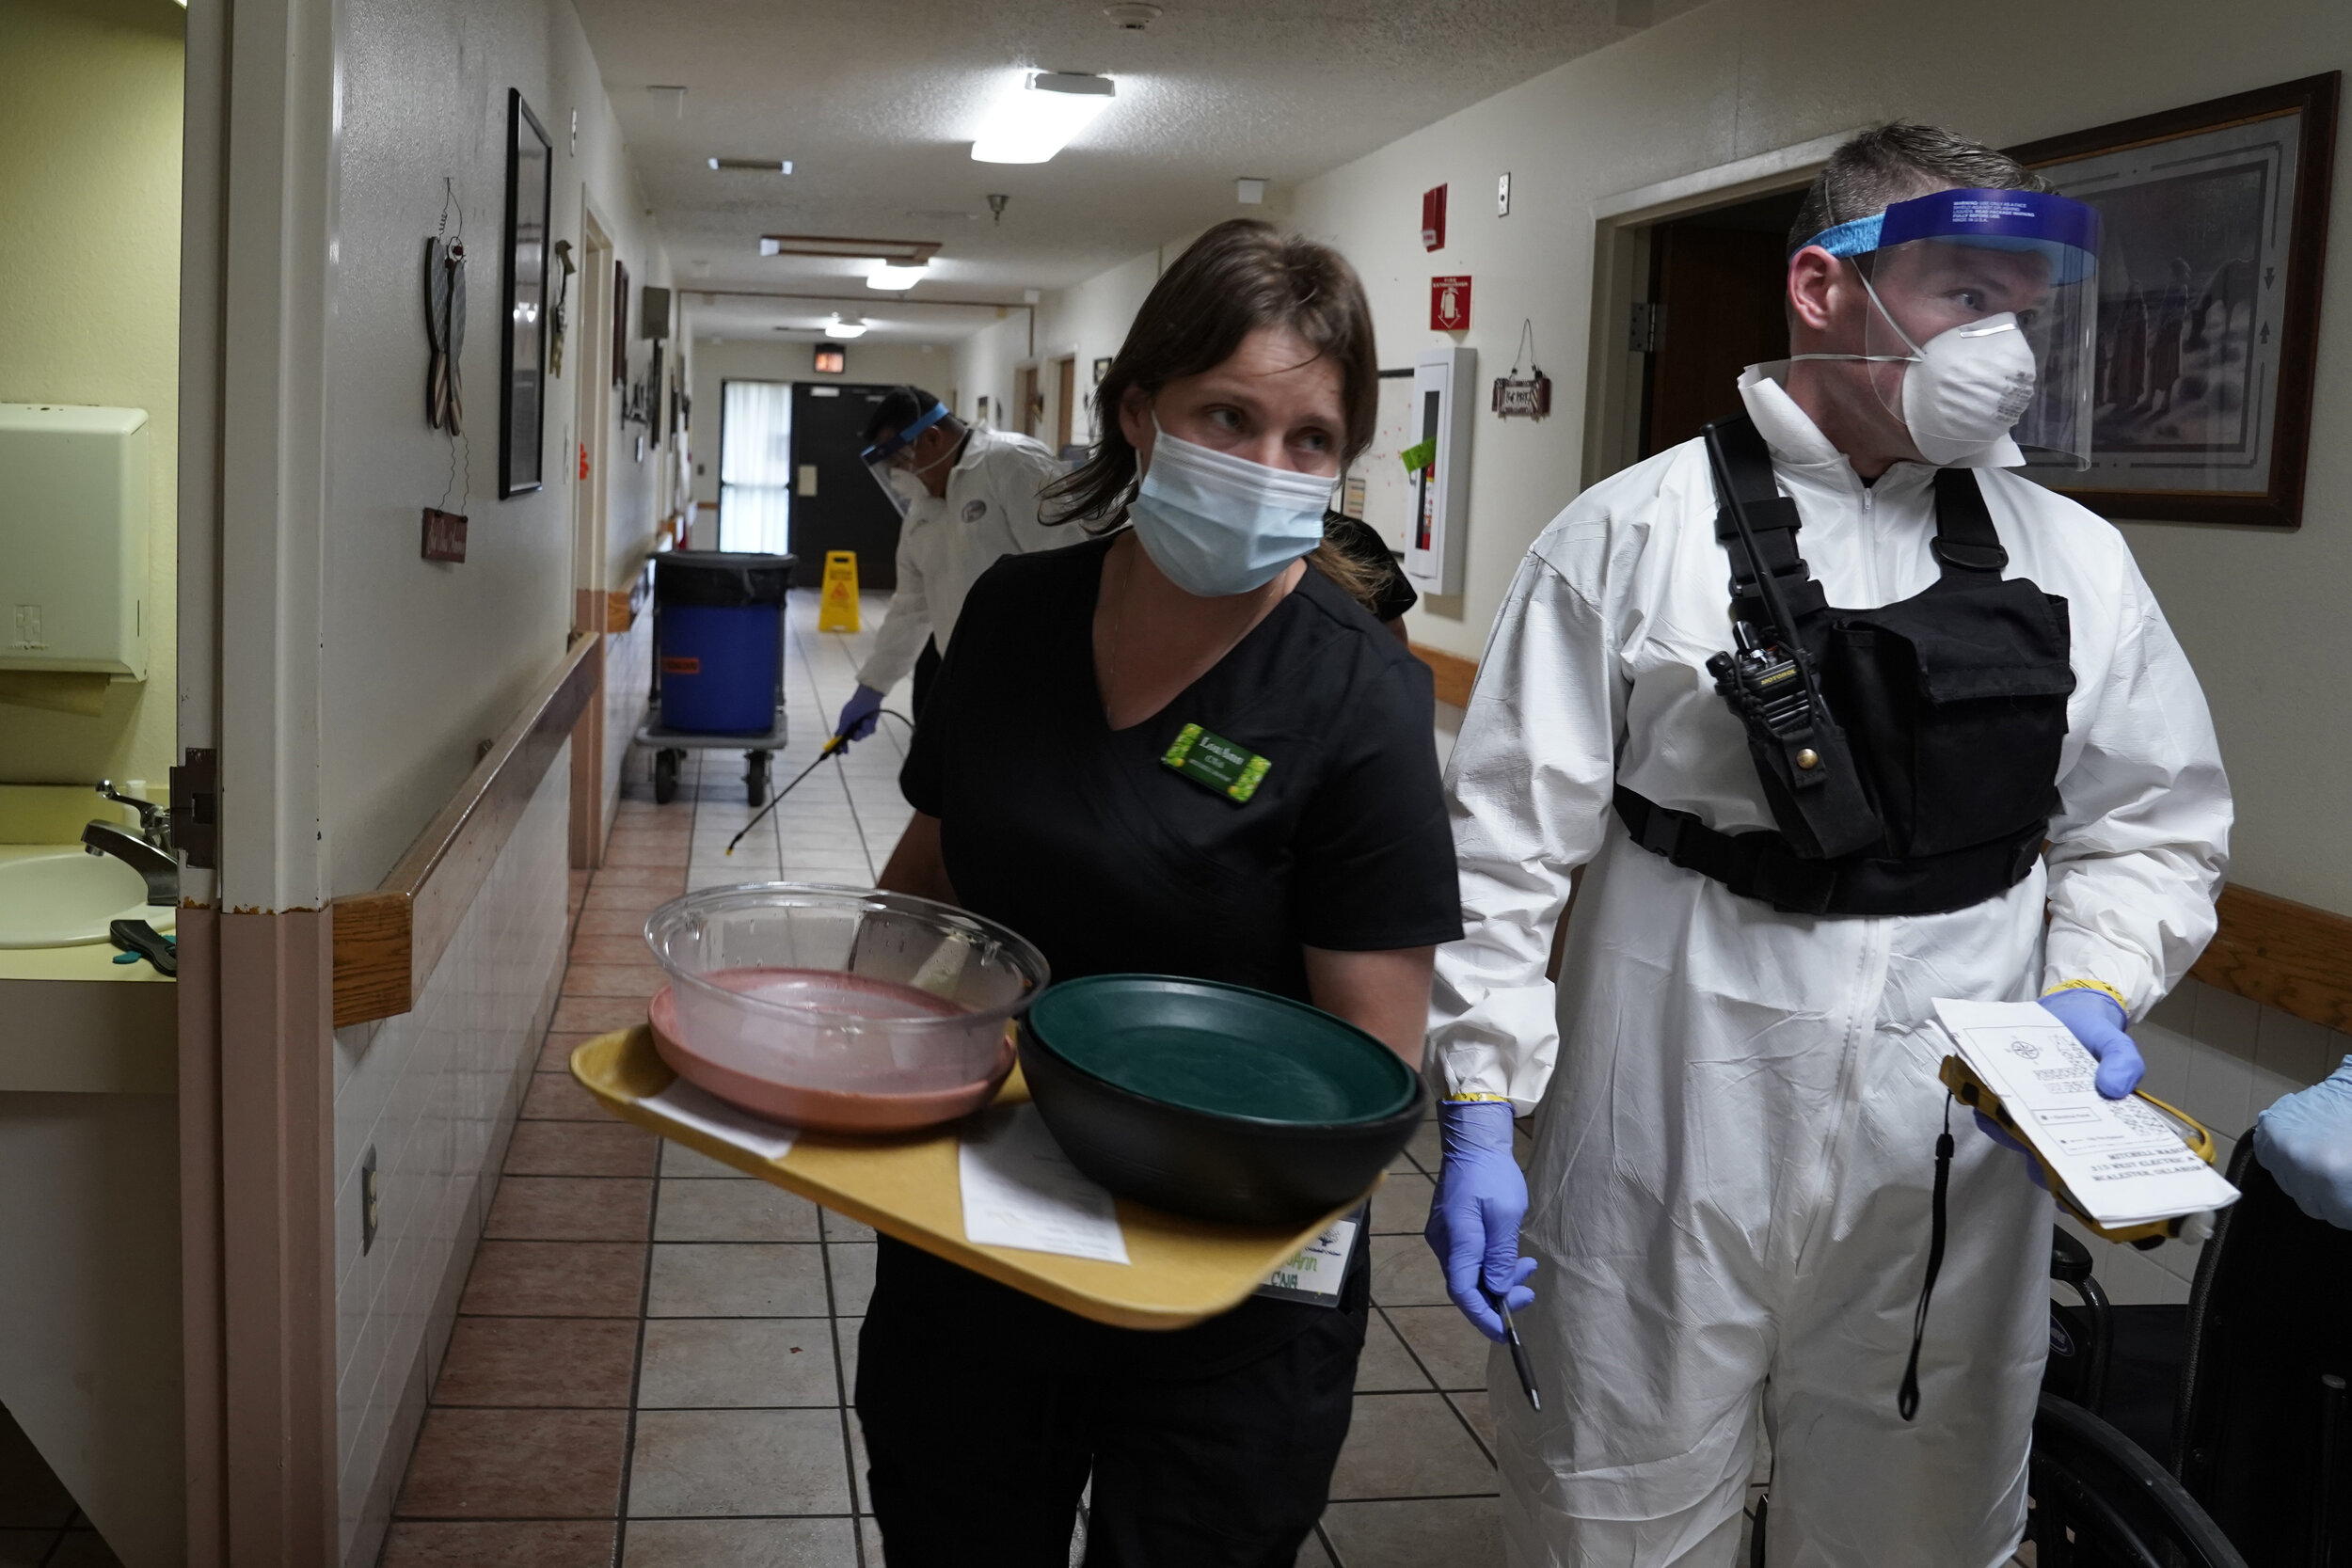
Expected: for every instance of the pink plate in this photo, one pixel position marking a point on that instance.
(825, 1110)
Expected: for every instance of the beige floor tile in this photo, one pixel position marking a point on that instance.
(1424, 1148)
(1385, 1367)
(1401, 1207)
(1477, 1410)
(715, 1363)
(844, 1346)
(840, 1228)
(1311, 1555)
(721, 1462)
(852, 1277)
(681, 1163)
(1444, 1532)
(1455, 1353)
(742, 1543)
(732, 1211)
(1408, 1445)
(858, 1461)
(1405, 1273)
(738, 1279)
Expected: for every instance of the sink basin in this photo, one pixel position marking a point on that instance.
(58, 895)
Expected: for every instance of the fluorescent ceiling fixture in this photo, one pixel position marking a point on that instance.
(906, 253)
(845, 327)
(1036, 120)
(889, 276)
(762, 166)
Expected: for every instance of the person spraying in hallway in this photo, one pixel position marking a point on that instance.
(1046, 781)
(1798, 825)
(965, 496)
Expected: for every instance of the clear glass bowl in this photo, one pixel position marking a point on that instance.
(842, 989)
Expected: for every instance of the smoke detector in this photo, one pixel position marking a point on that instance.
(1132, 17)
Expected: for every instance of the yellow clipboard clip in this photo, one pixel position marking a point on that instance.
(1971, 1092)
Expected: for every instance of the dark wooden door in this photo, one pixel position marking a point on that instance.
(836, 503)
(1720, 293)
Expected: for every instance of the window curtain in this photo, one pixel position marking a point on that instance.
(755, 466)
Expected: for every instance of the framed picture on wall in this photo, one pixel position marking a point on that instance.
(1101, 369)
(2213, 236)
(620, 322)
(522, 334)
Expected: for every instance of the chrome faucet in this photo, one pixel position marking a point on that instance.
(147, 851)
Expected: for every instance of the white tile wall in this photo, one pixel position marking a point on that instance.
(435, 1092)
(2223, 1059)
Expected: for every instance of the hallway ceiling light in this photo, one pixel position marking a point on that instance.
(907, 253)
(846, 325)
(1034, 120)
(1130, 16)
(763, 166)
(888, 276)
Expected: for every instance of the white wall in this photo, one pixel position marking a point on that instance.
(90, 311)
(425, 660)
(435, 1092)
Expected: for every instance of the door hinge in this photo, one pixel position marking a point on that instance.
(1647, 326)
(196, 808)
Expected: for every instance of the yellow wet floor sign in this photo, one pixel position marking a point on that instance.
(837, 609)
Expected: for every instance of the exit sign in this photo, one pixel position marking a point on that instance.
(1449, 303)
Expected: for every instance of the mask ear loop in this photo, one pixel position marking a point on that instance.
(1916, 356)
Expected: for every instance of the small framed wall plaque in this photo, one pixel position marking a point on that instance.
(523, 332)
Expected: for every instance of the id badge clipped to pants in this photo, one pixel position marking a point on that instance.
(1314, 1274)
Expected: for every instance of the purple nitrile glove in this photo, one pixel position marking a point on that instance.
(2305, 1141)
(1474, 1218)
(2096, 1018)
(2000, 1134)
(860, 714)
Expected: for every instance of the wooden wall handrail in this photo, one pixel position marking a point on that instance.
(387, 941)
(1453, 674)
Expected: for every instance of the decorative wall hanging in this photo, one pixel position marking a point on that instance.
(1101, 369)
(2214, 222)
(620, 322)
(444, 316)
(1530, 399)
(556, 312)
(522, 336)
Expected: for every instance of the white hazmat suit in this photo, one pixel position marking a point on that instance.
(945, 543)
(1733, 1161)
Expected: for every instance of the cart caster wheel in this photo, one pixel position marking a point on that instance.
(755, 777)
(665, 764)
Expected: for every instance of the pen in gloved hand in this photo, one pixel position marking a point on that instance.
(1518, 1351)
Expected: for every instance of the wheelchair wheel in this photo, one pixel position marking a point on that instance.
(665, 766)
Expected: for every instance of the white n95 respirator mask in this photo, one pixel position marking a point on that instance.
(1966, 387)
(1216, 524)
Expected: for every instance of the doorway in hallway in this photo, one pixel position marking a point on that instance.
(755, 466)
(836, 503)
(1717, 281)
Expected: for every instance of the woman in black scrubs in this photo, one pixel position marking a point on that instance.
(1045, 800)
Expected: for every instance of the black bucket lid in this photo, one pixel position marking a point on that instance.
(726, 578)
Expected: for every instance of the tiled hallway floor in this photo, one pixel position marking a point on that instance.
(654, 1355)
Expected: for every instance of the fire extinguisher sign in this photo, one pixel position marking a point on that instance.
(1449, 303)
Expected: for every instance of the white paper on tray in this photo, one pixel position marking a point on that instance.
(689, 1106)
(2122, 1159)
(1020, 1190)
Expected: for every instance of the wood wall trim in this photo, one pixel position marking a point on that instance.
(2283, 954)
(387, 942)
(1455, 675)
(622, 606)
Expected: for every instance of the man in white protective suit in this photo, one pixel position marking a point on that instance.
(966, 495)
(1783, 864)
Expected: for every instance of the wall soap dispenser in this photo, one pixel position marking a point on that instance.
(73, 524)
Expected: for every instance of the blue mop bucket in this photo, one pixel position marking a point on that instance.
(720, 644)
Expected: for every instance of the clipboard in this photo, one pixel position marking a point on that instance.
(1971, 1092)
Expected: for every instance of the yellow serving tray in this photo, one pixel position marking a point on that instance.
(1181, 1271)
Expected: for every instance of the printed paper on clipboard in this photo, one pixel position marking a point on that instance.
(2121, 1160)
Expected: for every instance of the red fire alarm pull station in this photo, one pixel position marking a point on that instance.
(1433, 218)
(1449, 303)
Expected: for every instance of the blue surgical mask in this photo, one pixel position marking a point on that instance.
(1216, 524)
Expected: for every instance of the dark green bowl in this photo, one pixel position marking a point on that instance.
(1216, 1100)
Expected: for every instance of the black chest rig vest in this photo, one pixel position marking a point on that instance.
(1909, 753)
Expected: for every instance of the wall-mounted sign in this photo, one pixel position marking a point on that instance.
(831, 360)
(1529, 400)
(1449, 303)
(444, 535)
(1433, 218)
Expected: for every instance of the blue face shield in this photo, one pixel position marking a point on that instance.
(889, 455)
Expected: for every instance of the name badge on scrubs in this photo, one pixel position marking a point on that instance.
(1315, 1273)
(1216, 763)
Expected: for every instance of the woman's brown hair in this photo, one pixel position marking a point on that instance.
(1241, 276)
